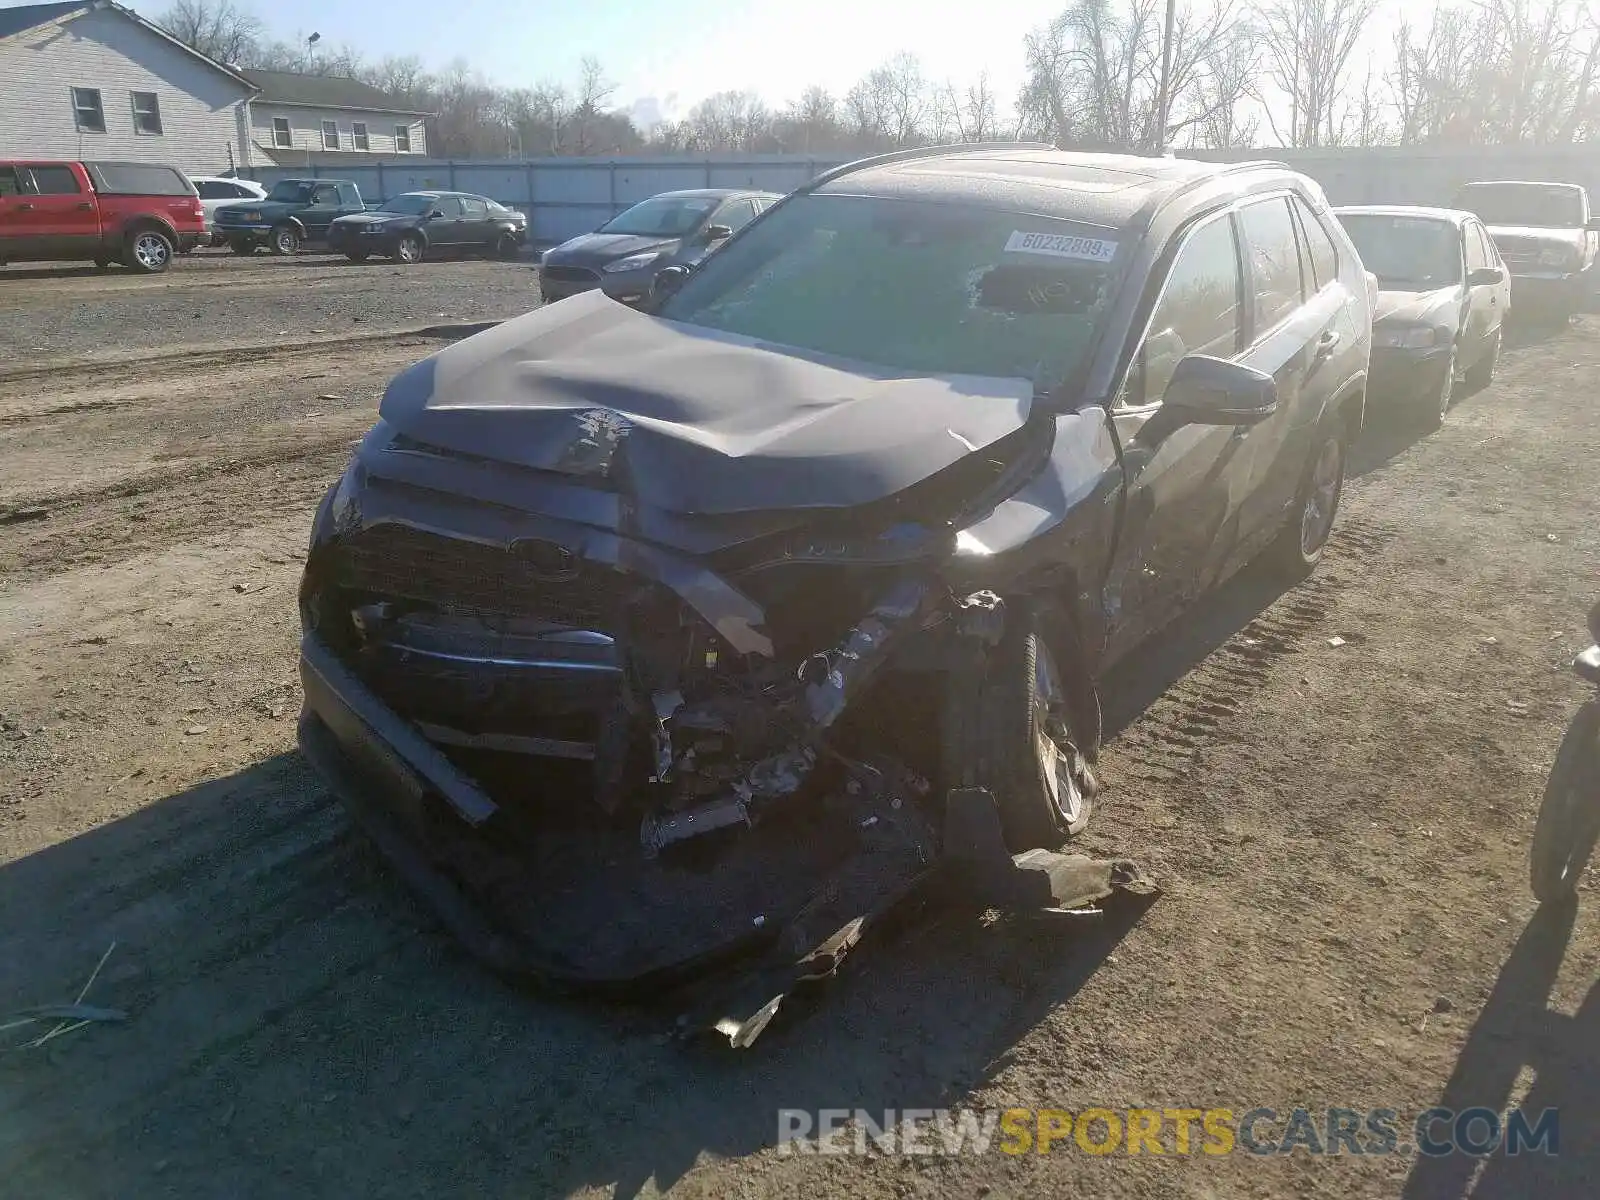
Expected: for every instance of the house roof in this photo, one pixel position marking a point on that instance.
(24, 17)
(326, 91)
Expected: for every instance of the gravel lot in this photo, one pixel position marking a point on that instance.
(1335, 787)
(213, 297)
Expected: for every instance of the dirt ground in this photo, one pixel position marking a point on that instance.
(1340, 828)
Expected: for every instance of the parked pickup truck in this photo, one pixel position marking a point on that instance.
(102, 212)
(295, 213)
(1548, 236)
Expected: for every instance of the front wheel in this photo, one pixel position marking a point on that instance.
(1481, 373)
(1305, 535)
(1569, 818)
(410, 249)
(149, 251)
(1435, 404)
(506, 247)
(357, 256)
(1013, 734)
(285, 239)
(242, 248)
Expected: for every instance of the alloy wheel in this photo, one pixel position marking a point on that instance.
(151, 251)
(1322, 497)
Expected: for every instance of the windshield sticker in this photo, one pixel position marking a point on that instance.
(1061, 245)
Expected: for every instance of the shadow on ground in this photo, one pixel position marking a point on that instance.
(297, 1026)
(1518, 1030)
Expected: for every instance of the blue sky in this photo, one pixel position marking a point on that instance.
(679, 51)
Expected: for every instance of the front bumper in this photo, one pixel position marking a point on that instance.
(630, 287)
(253, 229)
(1407, 374)
(362, 242)
(1536, 293)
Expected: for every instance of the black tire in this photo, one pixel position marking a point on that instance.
(357, 256)
(102, 262)
(410, 249)
(1434, 404)
(1304, 537)
(1001, 732)
(284, 240)
(148, 251)
(1569, 817)
(1481, 373)
(506, 247)
(242, 248)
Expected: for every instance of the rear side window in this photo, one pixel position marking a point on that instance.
(1274, 258)
(1198, 312)
(138, 179)
(54, 181)
(1324, 256)
(1491, 256)
(348, 195)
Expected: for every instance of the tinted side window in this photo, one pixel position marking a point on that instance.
(736, 215)
(55, 181)
(474, 209)
(10, 185)
(1324, 255)
(211, 190)
(348, 197)
(448, 205)
(325, 193)
(1491, 255)
(1477, 253)
(1198, 312)
(1274, 258)
(135, 179)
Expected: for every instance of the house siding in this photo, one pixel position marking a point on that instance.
(305, 131)
(204, 114)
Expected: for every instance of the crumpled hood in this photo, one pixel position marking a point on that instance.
(1535, 237)
(693, 421)
(1440, 306)
(590, 248)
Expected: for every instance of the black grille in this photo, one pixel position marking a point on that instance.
(562, 274)
(396, 561)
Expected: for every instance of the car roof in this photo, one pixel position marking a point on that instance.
(1453, 215)
(709, 194)
(1543, 183)
(1109, 190)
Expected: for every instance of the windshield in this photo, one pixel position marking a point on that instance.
(928, 289)
(411, 204)
(1553, 206)
(291, 190)
(663, 216)
(1406, 253)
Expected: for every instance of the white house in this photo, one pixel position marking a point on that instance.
(95, 80)
(324, 120)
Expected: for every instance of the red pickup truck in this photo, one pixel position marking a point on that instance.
(101, 212)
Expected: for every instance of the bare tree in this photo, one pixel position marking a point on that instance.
(975, 110)
(1308, 44)
(219, 29)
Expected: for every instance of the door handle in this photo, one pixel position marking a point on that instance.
(86, 207)
(1326, 343)
(24, 208)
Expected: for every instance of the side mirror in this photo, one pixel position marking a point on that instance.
(716, 233)
(1214, 391)
(1481, 276)
(435, 215)
(667, 281)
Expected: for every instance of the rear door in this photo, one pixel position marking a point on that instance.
(1494, 298)
(474, 221)
(320, 213)
(1297, 332)
(61, 210)
(1180, 479)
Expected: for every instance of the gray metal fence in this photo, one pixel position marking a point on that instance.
(564, 197)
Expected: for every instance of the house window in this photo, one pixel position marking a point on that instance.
(402, 139)
(146, 113)
(280, 133)
(86, 110)
(358, 135)
(330, 135)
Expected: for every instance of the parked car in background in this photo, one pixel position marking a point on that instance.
(217, 190)
(623, 255)
(139, 214)
(294, 214)
(1548, 236)
(411, 226)
(960, 425)
(1443, 300)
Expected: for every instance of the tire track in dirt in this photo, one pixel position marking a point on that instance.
(1198, 710)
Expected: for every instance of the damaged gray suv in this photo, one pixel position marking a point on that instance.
(643, 639)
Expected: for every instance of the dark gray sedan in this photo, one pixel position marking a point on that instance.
(623, 255)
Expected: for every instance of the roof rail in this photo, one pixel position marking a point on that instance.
(895, 156)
